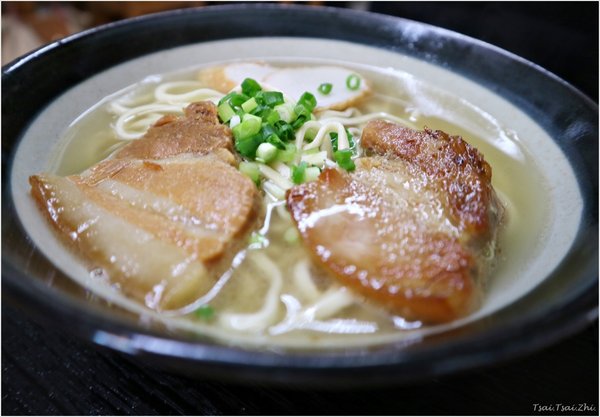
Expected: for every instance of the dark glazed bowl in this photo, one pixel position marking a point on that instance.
(565, 302)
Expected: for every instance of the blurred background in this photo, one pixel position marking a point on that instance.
(559, 36)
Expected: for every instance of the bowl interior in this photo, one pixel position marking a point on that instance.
(545, 273)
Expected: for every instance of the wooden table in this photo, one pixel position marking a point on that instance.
(45, 371)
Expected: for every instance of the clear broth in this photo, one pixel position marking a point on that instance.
(516, 180)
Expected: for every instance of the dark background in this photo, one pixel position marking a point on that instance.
(45, 371)
(561, 37)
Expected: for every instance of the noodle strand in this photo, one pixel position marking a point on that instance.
(261, 319)
(124, 122)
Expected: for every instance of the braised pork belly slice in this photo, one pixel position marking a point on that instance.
(164, 231)
(401, 232)
(455, 169)
(197, 132)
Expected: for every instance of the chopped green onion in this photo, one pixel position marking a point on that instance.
(334, 140)
(249, 126)
(307, 100)
(271, 117)
(227, 98)
(234, 121)
(225, 112)
(263, 123)
(238, 99)
(353, 82)
(299, 173)
(269, 134)
(258, 96)
(273, 98)
(251, 170)
(312, 173)
(297, 124)
(248, 146)
(250, 87)
(266, 152)
(276, 141)
(325, 88)
(249, 105)
(286, 112)
(260, 110)
(288, 154)
(268, 130)
(302, 111)
(205, 312)
(344, 159)
(250, 118)
(284, 130)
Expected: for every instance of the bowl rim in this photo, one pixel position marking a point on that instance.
(564, 318)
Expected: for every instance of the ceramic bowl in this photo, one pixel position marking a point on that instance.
(554, 295)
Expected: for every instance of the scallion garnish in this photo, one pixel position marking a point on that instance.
(264, 124)
(248, 146)
(271, 117)
(353, 82)
(249, 126)
(237, 100)
(249, 105)
(297, 124)
(273, 98)
(334, 140)
(303, 109)
(251, 170)
(288, 154)
(266, 152)
(225, 112)
(299, 173)
(274, 140)
(286, 112)
(205, 312)
(325, 88)
(307, 100)
(284, 130)
(250, 87)
(344, 159)
(227, 98)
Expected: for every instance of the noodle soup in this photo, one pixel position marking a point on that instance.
(274, 293)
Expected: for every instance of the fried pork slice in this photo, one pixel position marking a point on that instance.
(197, 132)
(164, 231)
(455, 169)
(405, 230)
